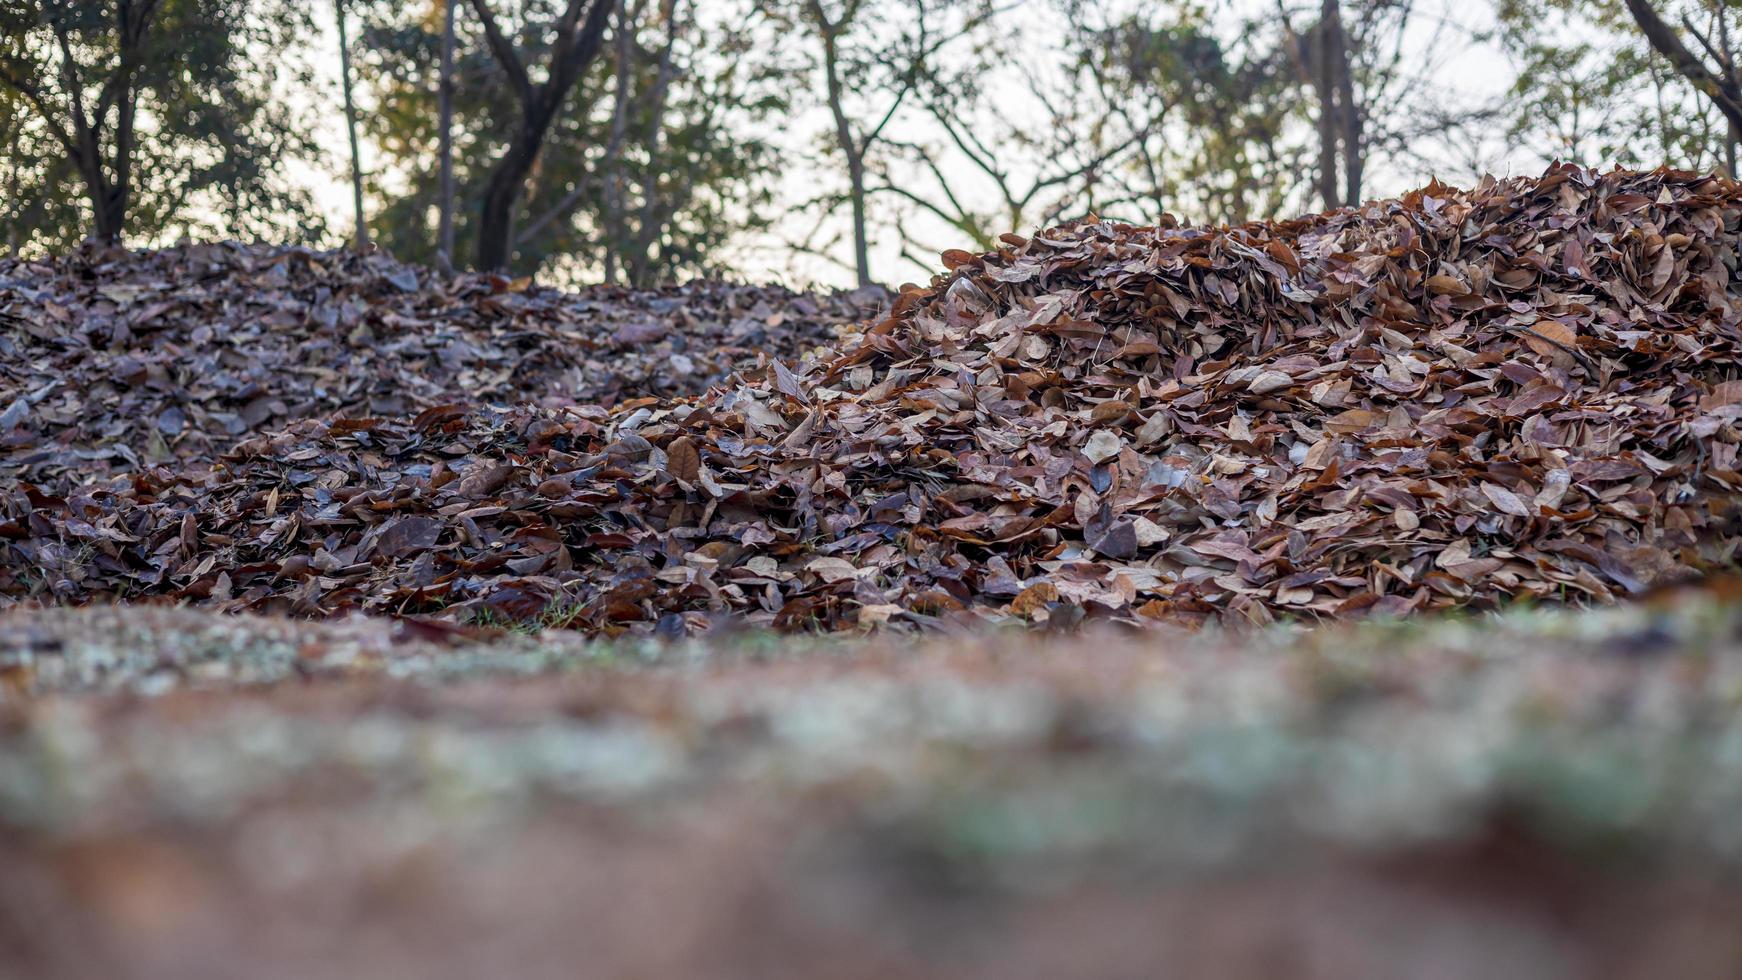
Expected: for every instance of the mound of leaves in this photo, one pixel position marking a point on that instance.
(113, 360)
(1527, 390)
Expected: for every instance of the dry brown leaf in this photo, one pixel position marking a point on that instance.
(1101, 446)
(1110, 411)
(682, 460)
(1545, 335)
(1507, 501)
(1444, 285)
(1034, 598)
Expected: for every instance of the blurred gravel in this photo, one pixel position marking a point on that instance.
(1539, 793)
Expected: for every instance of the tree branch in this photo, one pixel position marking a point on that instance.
(571, 59)
(131, 17)
(69, 71)
(963, 223)
(34, 94)
(1705, 42)
(558, 210)
(1665, 41)
(504, 52)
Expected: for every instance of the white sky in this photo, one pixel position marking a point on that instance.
(1464, 71)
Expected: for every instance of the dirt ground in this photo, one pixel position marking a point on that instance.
(1537, 794)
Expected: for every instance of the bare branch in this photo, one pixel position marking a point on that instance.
(1663, 38)
(560, 209)
(1705, 42)
(503, 50)
(70, 80)
(961, 222)
(34, 94)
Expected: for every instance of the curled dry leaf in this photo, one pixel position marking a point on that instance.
(832, 570)
(1268, 381)
(682, 460)
(1110, 411)
(1443, 285)
(1505, 500)
(1101, 446)
(1034, 598)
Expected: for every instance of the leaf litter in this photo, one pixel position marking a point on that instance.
(1456, 399)
(114, 361)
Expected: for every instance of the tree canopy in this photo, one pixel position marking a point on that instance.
(166, 115)
(643, 141)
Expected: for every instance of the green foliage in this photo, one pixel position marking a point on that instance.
(1591, 90)
(686, 176)
(40, 194)
(966, 120)
(212, 129)
(1224, 153)
(1241, 108)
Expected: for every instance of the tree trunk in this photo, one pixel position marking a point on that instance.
(362, 236)
(1324, 82)
(1349, 113)
(651, 220)
(849, 148)
(121, 188)
(1727, 64)
(496, 215)
(861, 238)
(612, 218)
(108, 199)
(445, 94)
(108, 209)
(538, 106)
(13, 211)
(13, 217)
(112, 215)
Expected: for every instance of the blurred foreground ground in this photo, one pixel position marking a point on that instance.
(1539, 794)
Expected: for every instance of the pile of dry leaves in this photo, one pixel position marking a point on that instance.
(1529, 389)
(113, 360)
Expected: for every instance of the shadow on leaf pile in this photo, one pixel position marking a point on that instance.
(113, 360)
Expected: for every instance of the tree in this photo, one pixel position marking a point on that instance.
(445, 100)
(1718, 82)
(685, 174)
(625, 253)
(871, 56)
(1323, 57)
(1216, 104)
(360, 237)
(1614, 82)
(88, 73)
(1083, 137)
(107, 170)
(853, 145)
(659, 161)
(40, 194)
(1369, 77)
(1128, 111)
(576, 45)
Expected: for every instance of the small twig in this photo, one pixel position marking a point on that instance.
(1575, 353)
